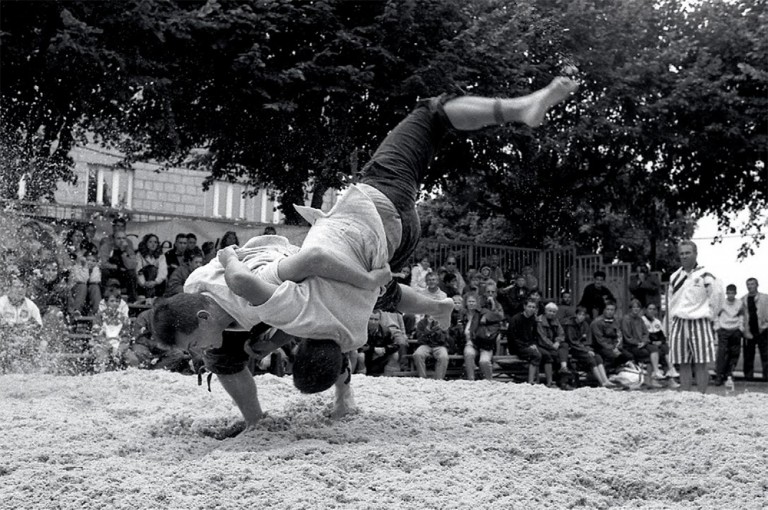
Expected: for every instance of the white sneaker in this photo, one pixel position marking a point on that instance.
(673, 384)
(672, 372)
(658, 375)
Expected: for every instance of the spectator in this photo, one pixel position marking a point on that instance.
(90, 237)
(497, 273)
(175, 258)
(486, 278)
(474, 286)
(596, 295)
(393, 321)
(451, 267)
(484, 335)
(113, 289)
(75, 244)
(165, 247)
(16, 309)
(49, 291)
(636, 341)
(191, 241)
(531, 281)
(456, 334)
(691, 301)
(729, 326)
(449, 285)
(645, 287)
(433, 288)
(193, 258)
(566, 312)
(536, 295)
(381, 350)
(229, 239)
(119, 262)
(433, 341)
(553, 347)
(85, 285)
(513, 297)
(209, 251)
(270, 231)
(419, 274)
(403, 276)
(578, 337)
(471, 323)
(606, 338)
(110, 334)
(657, 338)
(151, 268)
(522, 338)
(755, 329)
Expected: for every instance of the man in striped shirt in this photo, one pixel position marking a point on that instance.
(692, 301)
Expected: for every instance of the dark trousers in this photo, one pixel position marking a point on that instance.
(728, 351)
(612, 359)
(761, 342)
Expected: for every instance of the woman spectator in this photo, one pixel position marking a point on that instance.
(419, 274)
(151, 267)
(49, 291)
(85, 285)
(657, 338)
(229, 239)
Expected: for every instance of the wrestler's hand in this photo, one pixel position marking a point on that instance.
(227, 255)
(379, 277)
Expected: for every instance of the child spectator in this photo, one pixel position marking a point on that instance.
(85, 283)
(110, 334)
(113, 289)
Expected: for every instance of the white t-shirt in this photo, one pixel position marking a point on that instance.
(261, 255)
(689, 296)
(25, 313)
(319, 308)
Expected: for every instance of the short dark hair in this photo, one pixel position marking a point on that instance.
(731, 287)
(194, 252)
(180, 236)
(191, 236)
(531, 300)
(610, 302)
(176, 313)
(599, 274)
(208, 247)
(317, 365)
(269, 231)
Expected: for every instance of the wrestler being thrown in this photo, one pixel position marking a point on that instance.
(323, 292)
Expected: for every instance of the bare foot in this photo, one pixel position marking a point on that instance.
(443, 318)
(544, 99)
(227, 255)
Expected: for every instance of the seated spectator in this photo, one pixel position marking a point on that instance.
(523, 338)
(381, 350)
(209, 251)
(451, 267)
(449, 285)
(394, 322)
(432, 289)
(456, 336)
(16, 309)
(165, 247)
(606, 338)
(531, 281)
(151, 268)
(403, 276)
(474, 286)
(486, 278)
(566, 312)
(484, 329)
(110, 335)
(49, 292)
(513, 297)
(729, 325)
(471, 321)
(497, 273)
(433, 341)
(645, 287)
(657, 338)
(191, 241)
(577, 335)
(76, 245)
(229, 239)
(553, 347)
(596, 295)
(113, 289)
(119, 262)
(174, 258)
(419, 274)
(85, 285)
(192, 260)
(535, 294)
(636, 341)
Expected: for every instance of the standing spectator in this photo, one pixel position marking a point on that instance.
(433, 341)
(451, 267)
(553, 347)
(151, 268)
(596, 294)
(119, 262)
(691, 303)
(193, 258)
(636, 340)
(419, 274)
(49, 291)
(381, 350)
(606, 338)
(85, 285)
(191, 241)
(174, 258)
(229, 239)
(645, 287)
(579, 340)
(755, 329)
(729, 326)
(16, 309)
(523, 338)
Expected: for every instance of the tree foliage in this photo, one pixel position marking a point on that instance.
(294, 96)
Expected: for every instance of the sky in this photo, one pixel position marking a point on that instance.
(722, 259)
